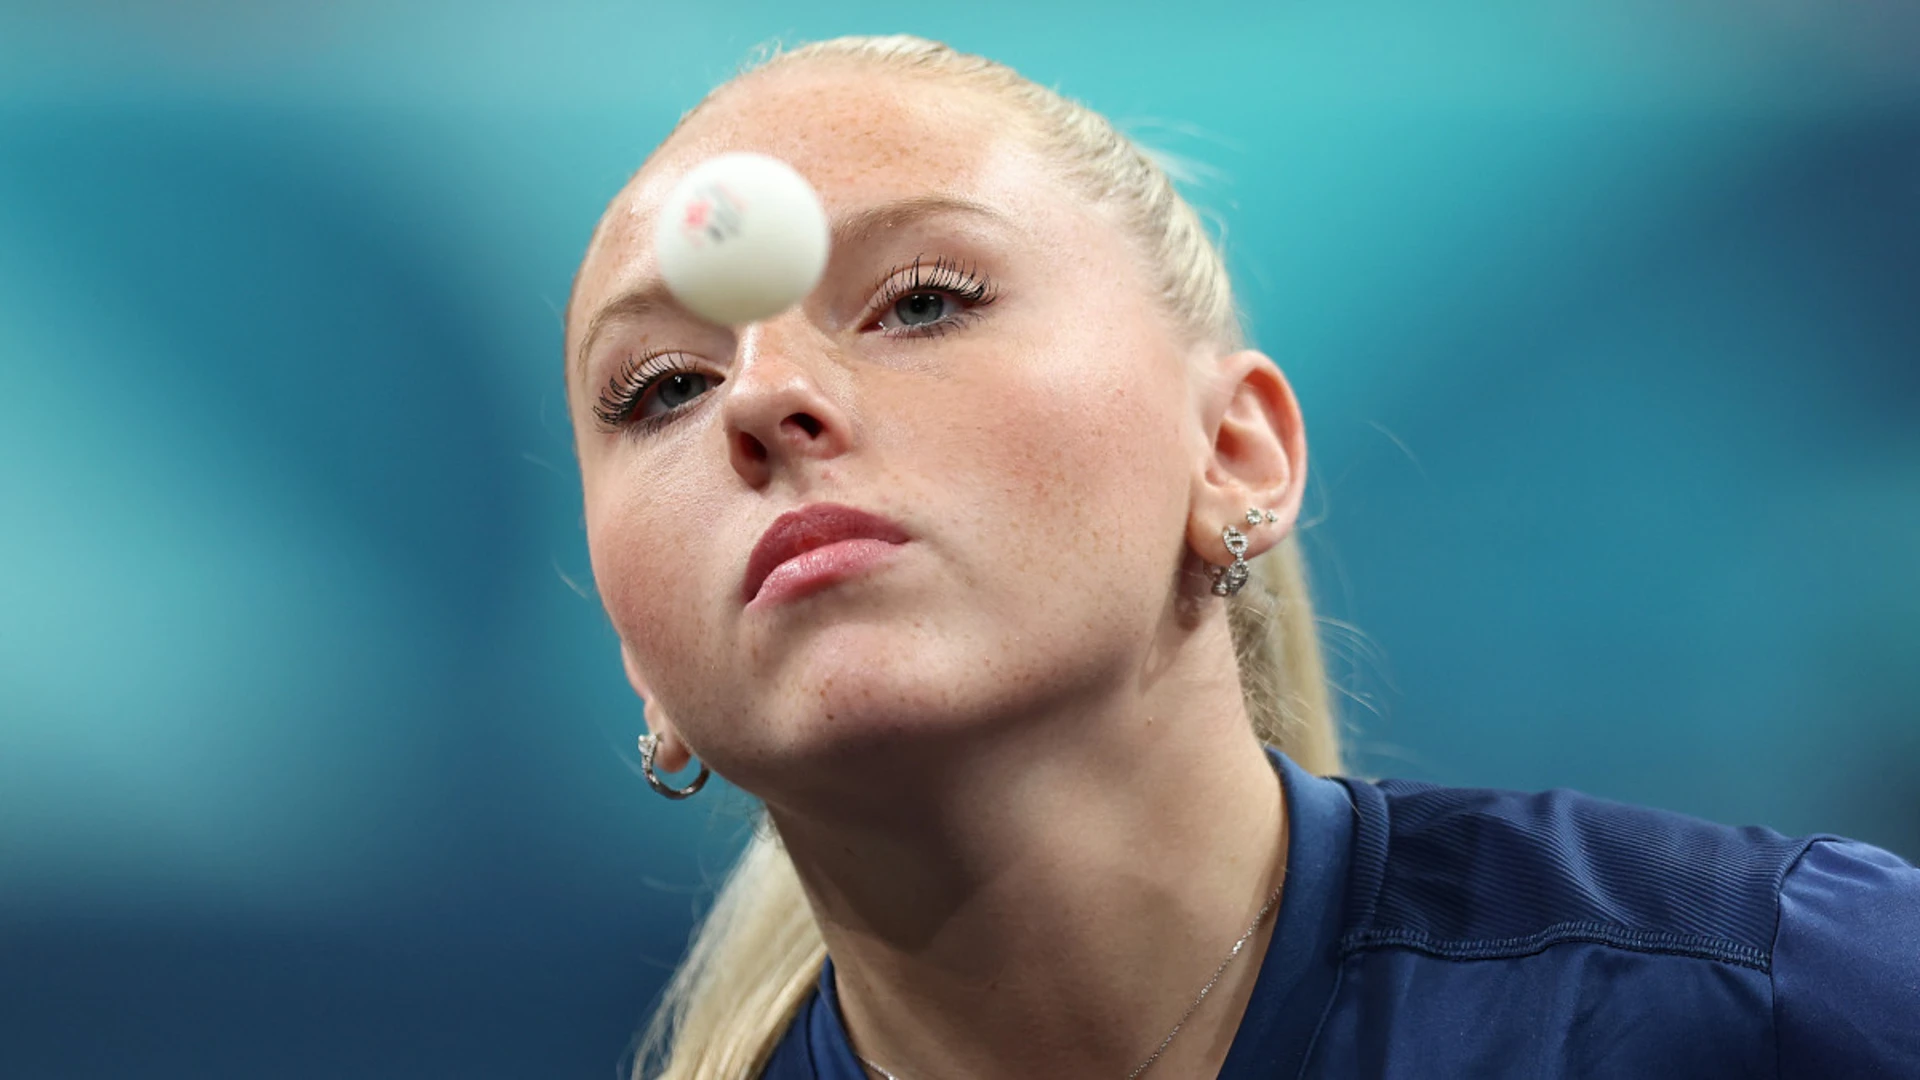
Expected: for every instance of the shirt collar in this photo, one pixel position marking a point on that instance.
(1297, 976)
(1302, 965)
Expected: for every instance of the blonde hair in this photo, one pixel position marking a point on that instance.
(758, 953)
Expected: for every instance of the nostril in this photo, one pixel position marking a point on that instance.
(806, 423)
(752, 448)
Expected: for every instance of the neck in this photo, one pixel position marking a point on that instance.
(1052, 903)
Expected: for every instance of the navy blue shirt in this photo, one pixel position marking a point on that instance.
(1429, 931)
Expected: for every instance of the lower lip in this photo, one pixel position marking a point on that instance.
(811, 571)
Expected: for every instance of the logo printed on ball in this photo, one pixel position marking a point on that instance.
(741, 238)
(714, 215)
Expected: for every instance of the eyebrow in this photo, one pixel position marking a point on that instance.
(652, 297)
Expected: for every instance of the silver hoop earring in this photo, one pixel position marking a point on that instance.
(649, 744)
(1228, 579)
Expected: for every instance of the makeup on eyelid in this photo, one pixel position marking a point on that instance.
(953, 282)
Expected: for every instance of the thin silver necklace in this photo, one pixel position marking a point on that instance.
(1198, 998)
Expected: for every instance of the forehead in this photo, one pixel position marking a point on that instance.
(849, 126)
(862, 135)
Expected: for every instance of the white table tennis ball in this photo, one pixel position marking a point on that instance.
(741, 238)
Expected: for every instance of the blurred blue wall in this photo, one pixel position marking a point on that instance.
(315, 753)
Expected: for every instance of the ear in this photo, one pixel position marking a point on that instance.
(1257, 458)
(672, 753)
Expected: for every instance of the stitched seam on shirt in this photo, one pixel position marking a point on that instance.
(1560, 933)
(1313, 1043)
(1773, 991)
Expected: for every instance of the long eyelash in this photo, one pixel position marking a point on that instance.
(623, 392)
(638, 374)
(961, 280)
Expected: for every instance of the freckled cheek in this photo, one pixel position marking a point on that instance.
(1056, 456)
(649, 569)
(1081, 431)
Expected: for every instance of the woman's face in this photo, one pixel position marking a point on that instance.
(983, 366)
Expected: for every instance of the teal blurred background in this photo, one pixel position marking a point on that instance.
(315, 752)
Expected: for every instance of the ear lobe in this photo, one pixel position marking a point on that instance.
(1258, 458)
(672, 754)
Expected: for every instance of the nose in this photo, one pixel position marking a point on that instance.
(784, 409)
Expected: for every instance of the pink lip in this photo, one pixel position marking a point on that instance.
(808, 549)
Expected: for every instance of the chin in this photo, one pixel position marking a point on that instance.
(856, 685)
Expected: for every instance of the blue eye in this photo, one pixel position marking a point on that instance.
(924, 297)
(647, 391)
(674, 391)
(921, 308)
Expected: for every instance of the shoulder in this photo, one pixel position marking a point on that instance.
(1487, 872)
(1822, 932)
(1846, 963)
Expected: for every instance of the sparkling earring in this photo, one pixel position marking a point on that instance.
(649, 744)
(1228, 579)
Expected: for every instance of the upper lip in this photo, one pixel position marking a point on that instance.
(798, 531)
